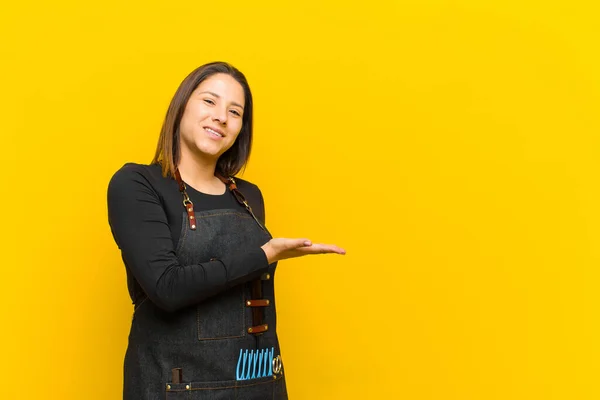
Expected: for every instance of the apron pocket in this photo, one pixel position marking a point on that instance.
(222, 316)
(253, 389)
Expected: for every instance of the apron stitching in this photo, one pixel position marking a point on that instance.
(236, 386)
(239, 214)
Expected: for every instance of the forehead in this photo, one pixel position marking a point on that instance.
(224, 86)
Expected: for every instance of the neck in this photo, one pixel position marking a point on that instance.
(196, 170)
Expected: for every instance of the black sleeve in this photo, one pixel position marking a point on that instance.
(140, 228)
(259, 207)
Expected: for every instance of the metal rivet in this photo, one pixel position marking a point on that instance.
(168, 387)
(191, 217)
(268, 302)
(248, 303)
(249, 330)
(193, 226)
(268, 276)
(187, 387)
(189, 209)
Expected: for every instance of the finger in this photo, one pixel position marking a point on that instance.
(330, 248)
(323, 249)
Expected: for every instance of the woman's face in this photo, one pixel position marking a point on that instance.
(212, 118)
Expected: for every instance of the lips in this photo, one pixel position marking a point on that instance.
(214, 131)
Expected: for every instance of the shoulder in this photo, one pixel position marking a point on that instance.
(254, 196)
(131, 176)
(248, 188)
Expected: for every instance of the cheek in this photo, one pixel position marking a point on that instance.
(194, 112)
(236, 126)
(234, 137)
(190, 119)
(186, 127)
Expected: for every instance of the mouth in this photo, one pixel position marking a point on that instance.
(215, 132)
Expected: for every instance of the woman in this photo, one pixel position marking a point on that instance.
(200, 262)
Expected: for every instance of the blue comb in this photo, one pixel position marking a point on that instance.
(260, 364)
(270, 361)
(253, 364)
(241, 366)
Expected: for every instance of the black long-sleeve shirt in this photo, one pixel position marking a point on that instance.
(145, 215)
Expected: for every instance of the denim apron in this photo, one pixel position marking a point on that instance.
(226, 347)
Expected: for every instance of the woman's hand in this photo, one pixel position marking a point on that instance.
(281, 248)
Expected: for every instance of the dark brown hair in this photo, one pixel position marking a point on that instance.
(168, 151)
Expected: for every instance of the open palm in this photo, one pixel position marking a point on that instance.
(281, 248)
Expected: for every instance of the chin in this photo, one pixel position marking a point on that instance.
(209, 149)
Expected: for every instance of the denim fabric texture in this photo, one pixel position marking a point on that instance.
(204, 340)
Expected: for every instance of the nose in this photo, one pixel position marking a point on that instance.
(220, 116)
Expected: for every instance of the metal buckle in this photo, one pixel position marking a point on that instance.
(186, 199)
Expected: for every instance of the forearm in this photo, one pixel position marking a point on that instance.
(181, 286)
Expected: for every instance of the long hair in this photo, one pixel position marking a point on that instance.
(168, 151)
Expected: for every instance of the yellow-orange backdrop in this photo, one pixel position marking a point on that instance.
(450, 146)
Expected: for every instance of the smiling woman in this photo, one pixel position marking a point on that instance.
(200, 261)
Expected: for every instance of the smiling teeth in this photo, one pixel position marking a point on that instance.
(213, 132)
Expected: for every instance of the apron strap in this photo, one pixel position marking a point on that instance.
(230, 182)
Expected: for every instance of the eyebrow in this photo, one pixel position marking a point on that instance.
(218, 97)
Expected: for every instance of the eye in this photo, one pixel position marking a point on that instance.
(236, 113)
(209, 101)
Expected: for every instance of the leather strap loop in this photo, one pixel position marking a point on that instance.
(258, 329)
(258, 303)
(177, 375)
